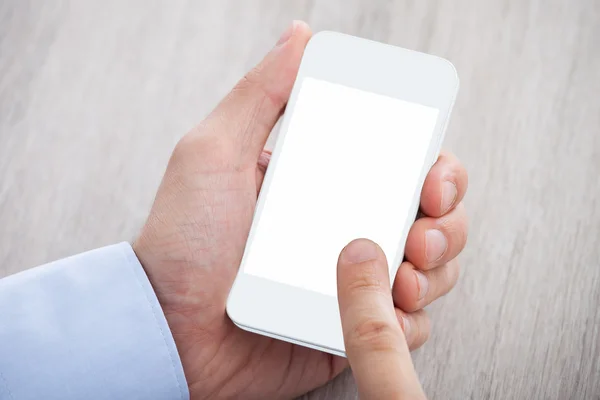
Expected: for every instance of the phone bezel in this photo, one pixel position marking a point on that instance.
(305, 317)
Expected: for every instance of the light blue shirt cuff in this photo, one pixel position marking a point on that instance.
(86, 327)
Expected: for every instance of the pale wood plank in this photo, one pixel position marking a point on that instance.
(93, 96)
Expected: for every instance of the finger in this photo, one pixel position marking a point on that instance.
(433, 242)
(249, 112)
(375, 345)
(444, 187)
(414, 289)
(261, 168)
(416, 326)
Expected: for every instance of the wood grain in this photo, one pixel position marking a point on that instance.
(93, 96)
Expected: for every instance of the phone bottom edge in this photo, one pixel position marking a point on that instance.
(325, 349)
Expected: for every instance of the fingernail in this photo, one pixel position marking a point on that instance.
(423, 284)
(449, 193)
(263, 160)
(435, 244)
(287, 34)
(359, 251)
(406, 326)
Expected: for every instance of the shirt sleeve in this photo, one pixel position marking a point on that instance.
(86, 327)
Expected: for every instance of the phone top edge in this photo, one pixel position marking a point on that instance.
(325, 34)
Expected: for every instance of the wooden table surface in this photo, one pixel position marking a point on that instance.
(94, 95)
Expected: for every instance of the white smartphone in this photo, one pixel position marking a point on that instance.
(363, 125)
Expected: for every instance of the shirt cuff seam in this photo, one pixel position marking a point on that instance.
(133, 261)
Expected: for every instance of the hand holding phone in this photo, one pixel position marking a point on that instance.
(194, 238)
(363, 126)
(375, 344)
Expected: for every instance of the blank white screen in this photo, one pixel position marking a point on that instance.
(348, 168)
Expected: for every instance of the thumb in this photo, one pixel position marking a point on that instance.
(375, 344)
(248, 113)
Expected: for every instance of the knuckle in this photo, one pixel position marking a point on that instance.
(200, 144)
(245, 84)
(424, 331)
(182, 151)
(461, 211)
(453, 272)
(375, 335)
(263, 161)
(421, 331)
(448, 162)
(444, 153)
(415, 304)
(254, 81)
(462, 172)
(447, 278)
(456, 226)
(451, 160)
(462, 232)
(455, 169)
(186, 144)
